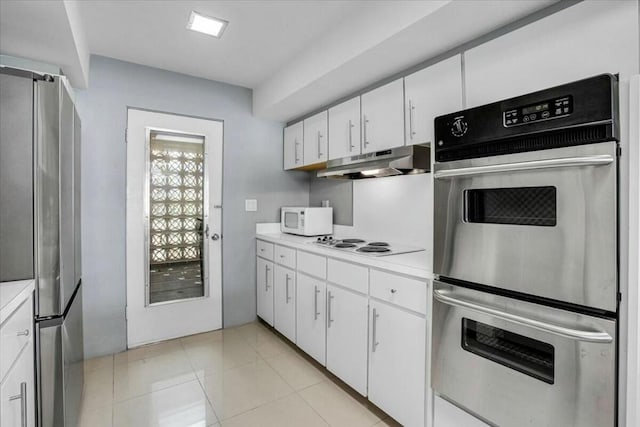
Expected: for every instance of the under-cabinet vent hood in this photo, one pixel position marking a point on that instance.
(412, 159)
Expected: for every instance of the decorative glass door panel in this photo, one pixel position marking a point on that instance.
(176, 231)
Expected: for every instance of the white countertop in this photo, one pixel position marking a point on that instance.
(415, 264)
(12, 294)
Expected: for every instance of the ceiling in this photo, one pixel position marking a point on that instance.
(296, 55)
(260, 37)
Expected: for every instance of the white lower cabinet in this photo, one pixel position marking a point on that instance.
(446, 414)
(18, 392)
(284, 306)
(311, 316)
(347, 337)
(397, 364)
(264, 290)
(17, 379)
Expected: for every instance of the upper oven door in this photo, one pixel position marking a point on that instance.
(542, 223)
(518, 364)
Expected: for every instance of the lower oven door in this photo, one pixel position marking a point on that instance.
(542, 223)
(516, 364)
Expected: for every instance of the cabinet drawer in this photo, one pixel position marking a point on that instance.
(15, 333)
(286, 256)
(19, 385)
(398, 290)
(349, 275)
(264, 249)
(314, 265)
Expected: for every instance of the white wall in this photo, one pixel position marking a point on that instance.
(252, 170)
(395, 209)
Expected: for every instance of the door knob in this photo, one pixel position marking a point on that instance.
(215, 236)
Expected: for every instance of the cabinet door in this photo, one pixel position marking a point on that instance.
(566, 46)
(310, 316)
(383, 117)
(284, 308)
(17, 390)
(264, 289)
(293, 148)
(344, 129)
(315, 139)
(429, 93)
(347, 337)
(397, 362)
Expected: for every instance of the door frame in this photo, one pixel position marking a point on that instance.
(213, 290)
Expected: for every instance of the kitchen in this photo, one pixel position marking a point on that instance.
(204, 297)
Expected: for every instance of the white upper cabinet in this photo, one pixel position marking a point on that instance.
(293, 146)
(344, 129)
(429, 93)
(581, 41)
(383, 117)
(315, 139)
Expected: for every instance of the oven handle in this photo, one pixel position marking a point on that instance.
(595, 160)
(586, 336)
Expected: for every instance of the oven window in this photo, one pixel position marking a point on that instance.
(520, 206)
(291, 220)
(526, 355)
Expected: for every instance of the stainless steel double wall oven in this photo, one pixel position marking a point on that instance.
(525, 256)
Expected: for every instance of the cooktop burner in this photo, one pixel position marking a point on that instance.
(378, 244)
(345, 245)
(360, 246)
(373, 249)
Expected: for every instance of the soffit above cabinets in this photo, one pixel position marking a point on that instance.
(296, 55)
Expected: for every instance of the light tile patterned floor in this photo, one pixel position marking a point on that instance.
(241, 377)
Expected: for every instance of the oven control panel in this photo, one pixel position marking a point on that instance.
(546, 110)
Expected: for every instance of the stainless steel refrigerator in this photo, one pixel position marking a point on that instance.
(40, 229)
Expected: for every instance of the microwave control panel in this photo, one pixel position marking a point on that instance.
(546, 110)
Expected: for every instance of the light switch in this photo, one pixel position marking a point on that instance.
(251, 205)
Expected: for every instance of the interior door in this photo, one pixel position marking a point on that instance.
(174, 221)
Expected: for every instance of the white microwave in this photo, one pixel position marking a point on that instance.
(306, 221)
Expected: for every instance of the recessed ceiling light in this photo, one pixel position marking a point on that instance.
(206, 24)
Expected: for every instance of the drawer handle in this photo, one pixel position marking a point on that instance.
(393, 291)
(261, 249)
(23, 404)
(24, 333)
(281, 256)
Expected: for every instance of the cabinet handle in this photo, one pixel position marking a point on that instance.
(329, 319)
(411, 108)
(315, 303)
(266, 278)
(393, 291)
(24, 333)
(295, 145)
(287, 288)
(364, 129)
(351, 147)
(374, 342)
(23, 404)
(319, 147)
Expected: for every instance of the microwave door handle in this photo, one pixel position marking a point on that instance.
(599, 337)
(595, 160)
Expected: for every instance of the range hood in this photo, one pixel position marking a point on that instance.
(411, 159)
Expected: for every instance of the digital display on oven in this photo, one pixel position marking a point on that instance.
(536, 108)
(545, 110)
